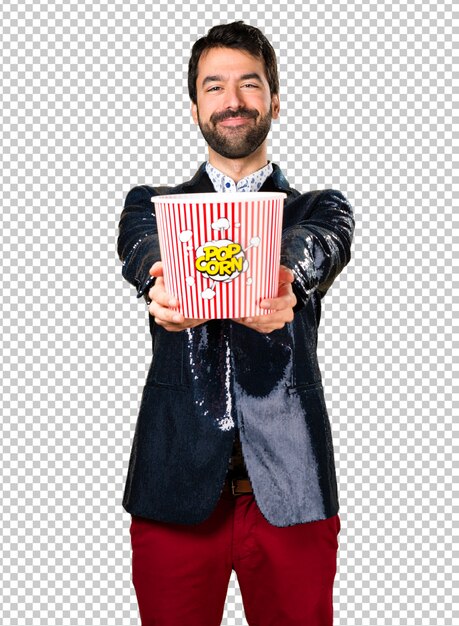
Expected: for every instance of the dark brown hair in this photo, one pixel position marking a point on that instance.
(241, 37)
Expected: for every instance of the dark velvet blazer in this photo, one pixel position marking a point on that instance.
(206, 382)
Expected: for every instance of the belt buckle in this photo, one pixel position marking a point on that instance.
(234, 491)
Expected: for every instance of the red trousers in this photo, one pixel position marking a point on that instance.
(181, 573)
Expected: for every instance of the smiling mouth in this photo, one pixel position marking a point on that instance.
(235, 121)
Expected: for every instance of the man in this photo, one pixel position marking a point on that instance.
(260, 497)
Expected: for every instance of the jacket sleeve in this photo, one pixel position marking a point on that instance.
(138, 245)
(316, 241)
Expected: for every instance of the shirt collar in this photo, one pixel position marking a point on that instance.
(252, 182)
(201, 182)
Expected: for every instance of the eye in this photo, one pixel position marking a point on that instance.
(250, 85)
(212, 88)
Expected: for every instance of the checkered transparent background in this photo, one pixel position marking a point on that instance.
(94, 101)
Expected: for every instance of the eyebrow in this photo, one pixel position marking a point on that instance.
(216, 78)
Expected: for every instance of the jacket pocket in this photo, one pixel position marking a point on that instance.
(318, 423)
(167, 363)
(305, 387)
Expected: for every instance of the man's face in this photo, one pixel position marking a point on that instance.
(234, 106)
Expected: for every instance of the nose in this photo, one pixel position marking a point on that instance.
(233, 98)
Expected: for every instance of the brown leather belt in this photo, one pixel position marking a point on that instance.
(238, 486)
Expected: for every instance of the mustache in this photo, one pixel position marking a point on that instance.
(225, 115)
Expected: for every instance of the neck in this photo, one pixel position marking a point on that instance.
(237, 169)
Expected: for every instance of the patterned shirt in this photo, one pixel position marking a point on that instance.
(252, 182)
(223, 183)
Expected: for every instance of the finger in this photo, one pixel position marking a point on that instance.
(285, 299)
(179, 326)
(279, 304)
(159, 294)
(163, 298)
(265, 329)
(286, 274)
(277, 317)
(259, 326)
(261, 321)
(156, 269)
(164, 315)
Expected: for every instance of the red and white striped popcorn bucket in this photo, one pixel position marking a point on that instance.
(220, 251)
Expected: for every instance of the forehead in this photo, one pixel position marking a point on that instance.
(228, 63)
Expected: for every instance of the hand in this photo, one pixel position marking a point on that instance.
(282, 306)
(161, 301)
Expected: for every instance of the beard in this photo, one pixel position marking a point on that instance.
(236, 142)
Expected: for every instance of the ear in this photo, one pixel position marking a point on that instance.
(194, 112)
(275, 106)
